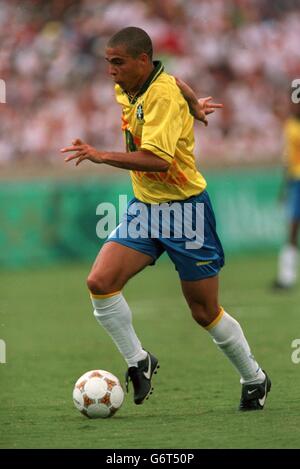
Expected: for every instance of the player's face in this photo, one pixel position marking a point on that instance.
(125, 70)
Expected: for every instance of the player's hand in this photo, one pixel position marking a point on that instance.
(199, 108)
(208, 107)
(83, 152)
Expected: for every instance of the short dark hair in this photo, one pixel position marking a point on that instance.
(135, 39)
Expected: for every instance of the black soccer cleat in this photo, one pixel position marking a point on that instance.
(279, 286)
(140, 377)
(254, 395)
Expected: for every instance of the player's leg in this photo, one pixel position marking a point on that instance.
(227, 334)
(114, 266)
(198, 265)
(293, 233)
(202, 298)
(288, 256)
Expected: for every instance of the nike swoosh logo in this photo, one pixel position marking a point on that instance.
(262, 400)
(147, 373)
(253, 390)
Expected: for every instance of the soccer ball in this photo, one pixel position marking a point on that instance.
(98, 394)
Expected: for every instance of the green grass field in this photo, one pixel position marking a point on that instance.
(52, 338)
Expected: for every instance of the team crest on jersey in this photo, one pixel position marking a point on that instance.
(140, 113)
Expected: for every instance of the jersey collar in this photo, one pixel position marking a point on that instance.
(158, 69)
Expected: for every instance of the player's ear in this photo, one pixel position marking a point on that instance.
(144, 58)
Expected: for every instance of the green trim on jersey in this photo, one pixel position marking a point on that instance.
(158, 69)
(130, 145)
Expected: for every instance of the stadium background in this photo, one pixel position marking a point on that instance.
(245, 53)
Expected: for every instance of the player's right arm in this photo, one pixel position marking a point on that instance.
(142, 160)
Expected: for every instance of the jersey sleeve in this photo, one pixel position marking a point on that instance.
(291, 141)
(162, 127)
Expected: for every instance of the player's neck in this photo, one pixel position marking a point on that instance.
(136, 88)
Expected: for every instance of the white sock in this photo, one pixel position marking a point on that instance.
(287, 265)
(229, 337)
(114, 314)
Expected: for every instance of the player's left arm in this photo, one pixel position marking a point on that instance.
(199, 108)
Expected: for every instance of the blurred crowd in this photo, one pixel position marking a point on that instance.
(244, 53)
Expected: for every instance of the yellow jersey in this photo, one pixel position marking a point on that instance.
(158, 119)
(292, 154)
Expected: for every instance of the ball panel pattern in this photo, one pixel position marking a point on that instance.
(98, 394)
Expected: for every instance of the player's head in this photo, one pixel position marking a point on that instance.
(135, 40)
(129, 53)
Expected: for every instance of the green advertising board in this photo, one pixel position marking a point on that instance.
(52, 221)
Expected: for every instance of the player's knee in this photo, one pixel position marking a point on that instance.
(204, 314)
(93, 284)
(100, 284)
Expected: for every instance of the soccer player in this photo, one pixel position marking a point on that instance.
(288, 257)
(158, 129)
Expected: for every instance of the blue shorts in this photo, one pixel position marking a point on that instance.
(186, 230)
(293, 200)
